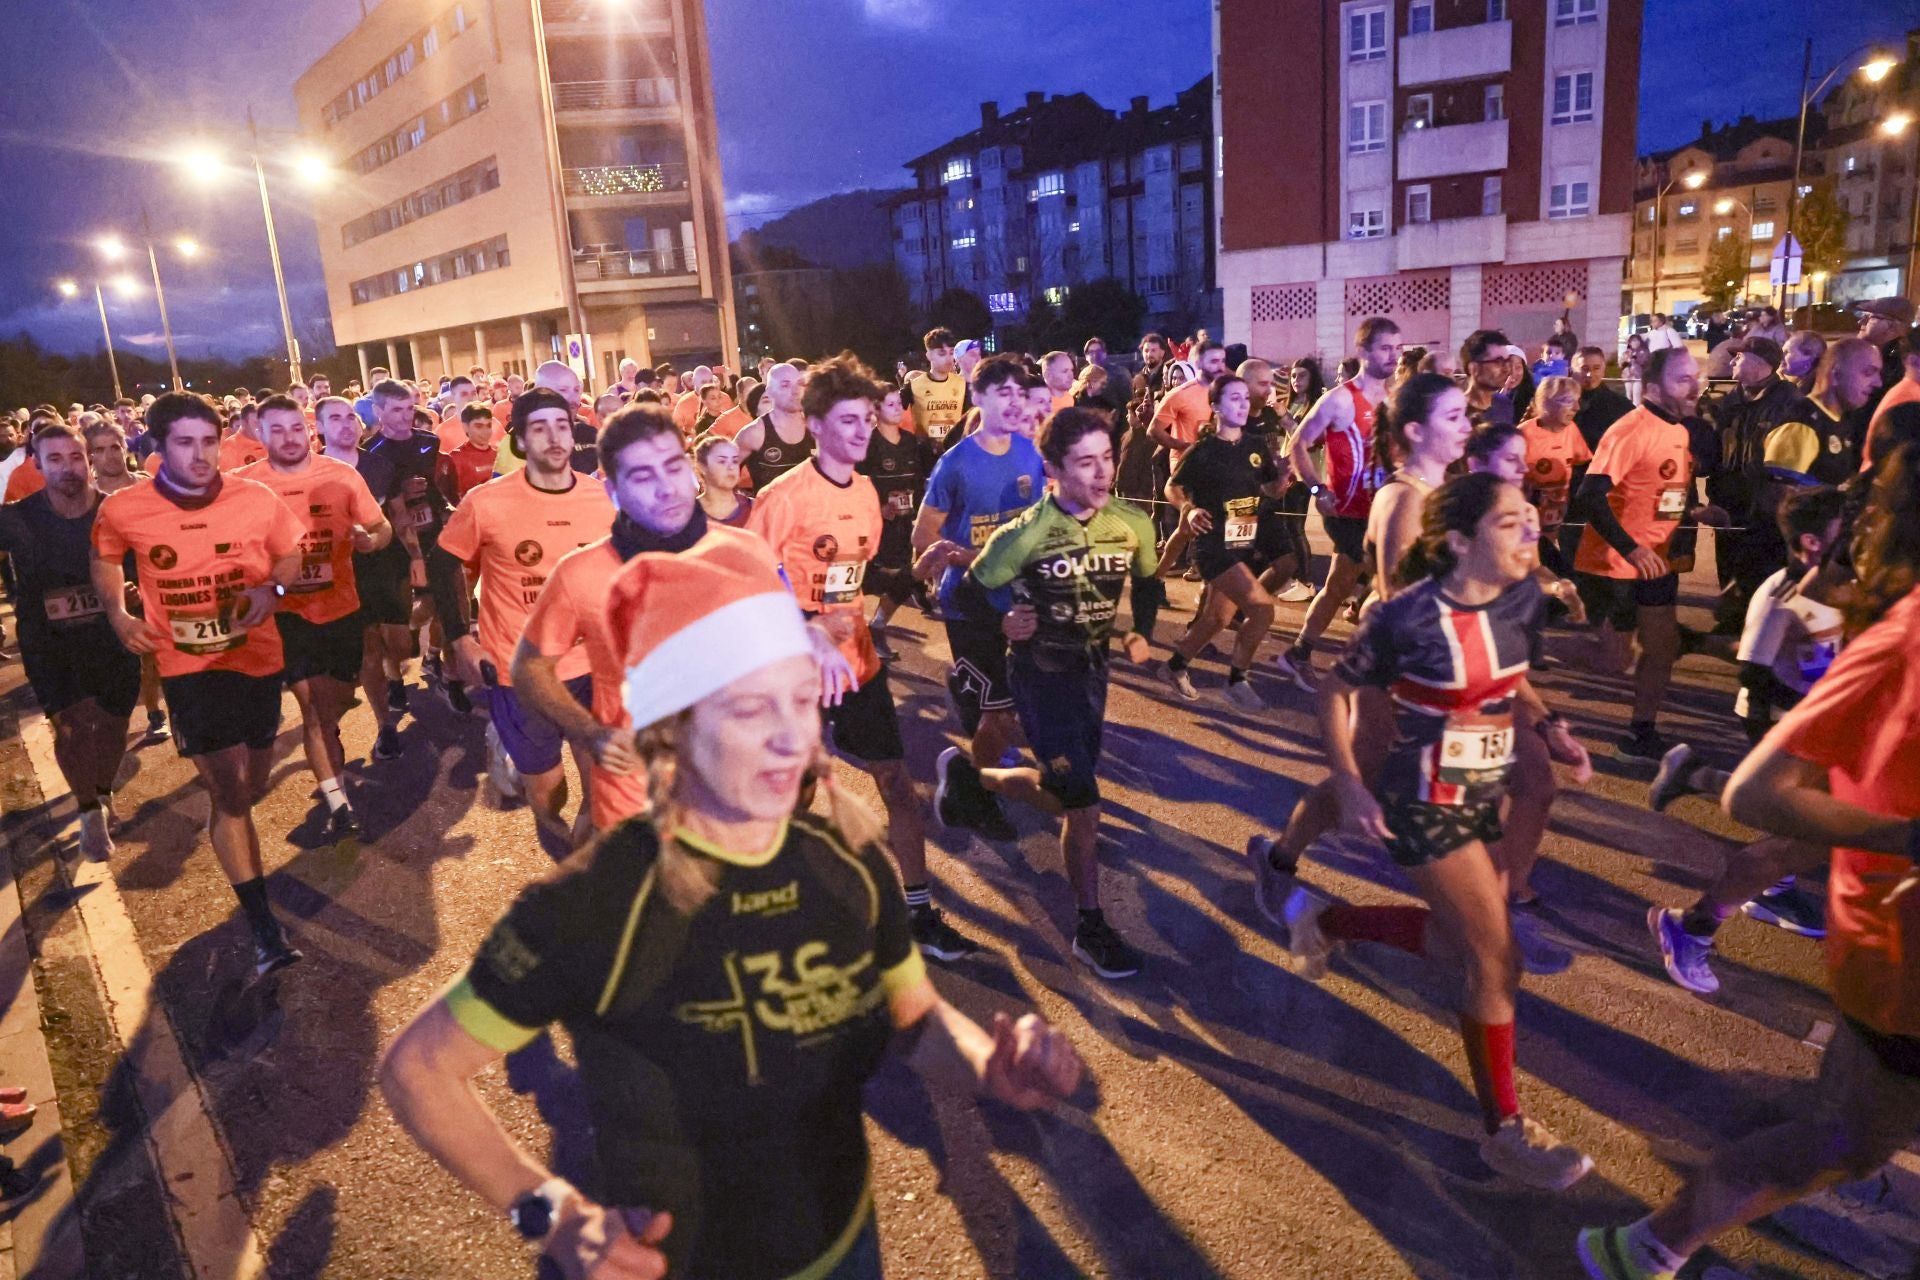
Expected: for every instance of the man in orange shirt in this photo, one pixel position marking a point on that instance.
(215, 556)
(687, 408)
(1905, 391)
(242, 446)
(823, 521)
(1057, 368)
(1176, 425)
(512, 531)
(321, 629)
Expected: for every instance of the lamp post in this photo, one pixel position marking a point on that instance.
(1721, 208)
(1895, 126)
(1692, 182)
(1875, 69)
(113, 249)
(124, 285)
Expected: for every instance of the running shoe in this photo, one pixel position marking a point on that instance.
(1670, 781)
(881, 648)
(457, 698)
(96, 841)
(935, 937)
(1684, 955)
(500, 770)
(1192, 574)
(1181, 682)
(1296, 664)
(16, 1118)
(1270, 884)
(157, 730)
(1294, 592)
(1539, 954)
(1311, 948)
(386, 745)
(1103, 950)
(1241, 694)
(1606, 1255)
(955, 787)
(343, 823)
(397, 696)
(991, 820)
(13, 1093)
(270, 955)
(1643, 742)
(1790, 909)
(1523, 1150)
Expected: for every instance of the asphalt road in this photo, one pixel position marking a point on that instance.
(1242, 1122)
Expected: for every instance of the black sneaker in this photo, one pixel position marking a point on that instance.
(270, 955)
(1641, 742)
(387, 745)
(157, 730)
(1104, 951)
(955, 786)
(934, 936)
(991, 820)
(457, 697)
(1790, 909)
(1670, 780)
(343, 823)
(397, 696)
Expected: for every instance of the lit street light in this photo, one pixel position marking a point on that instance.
(187, 247)
(1692, 182)
(111, 247)
(124, 285)
(68, 289)
(1873, 70)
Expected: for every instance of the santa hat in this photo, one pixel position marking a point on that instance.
(690, 624)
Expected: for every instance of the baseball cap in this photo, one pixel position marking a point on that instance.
(1766, 348)
(1897, 309)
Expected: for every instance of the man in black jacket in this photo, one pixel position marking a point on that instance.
(1743, 418)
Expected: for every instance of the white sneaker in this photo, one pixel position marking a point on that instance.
(500, 771)
(1294, 592)
(96, 842)
(1270, 885)
(1523, 1150)
(1241, 694)
(1311, 948)
(1182, 682)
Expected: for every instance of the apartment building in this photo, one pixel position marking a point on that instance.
(1870, 144)
(1061, 191)
(1452, 164)
(517, 171)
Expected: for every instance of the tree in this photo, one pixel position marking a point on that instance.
(1104, 309)
(873, 316)
(1820, 225)
(1723, 277)
(962, 311)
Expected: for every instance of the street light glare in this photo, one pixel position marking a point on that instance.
(202, 162)
(1694, 181)
(313, 170)
(1875, 68)
(67, 288)
(1723, 207)
(111, 247)
(1896, 124)
(125, 285)
(187, 247)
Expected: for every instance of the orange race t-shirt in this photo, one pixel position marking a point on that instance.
(822, 535)
(1551, 457)
(237, 451)
(514, 534)
(1861, 721)
(1647, 458)
(686, 410)
(329, 498)
(1905, 391)
(1184, 412)
(193, 565)
(571, 614)
(729, 423)
(27, 479)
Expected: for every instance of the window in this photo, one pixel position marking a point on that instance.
(1073, 226)
(1420, 111)
(1056, 295)
(1688, 209)
(1003, 304)
(1496, 10)
(1366, 127)
(1570, 199)
(1721, 233)
(474, 180)
(1850, 164)
(1763, 230)
(439, 117)
(1567, 13)
(1687, 244)
(965, 240)
(1420, 204)
(488, 255)
(1491, 203)
(1495, 103)
(1573, 98)
(1366, 224)
(1051, 184)
(1420, 17)
(1190, 157)
(958, 169)
(396, 66)
(1367, 35)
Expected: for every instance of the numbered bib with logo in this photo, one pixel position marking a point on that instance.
(69, 606)
(1475, 750)
(1671, 505)
(422, 514)
(842, 584)
(899, 504)
(206, 632)
(316, 571)
(937, 431)
(1242, 522)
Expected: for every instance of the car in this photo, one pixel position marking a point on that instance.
(1827, 319)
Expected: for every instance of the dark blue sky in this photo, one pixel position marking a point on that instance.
(808, 106)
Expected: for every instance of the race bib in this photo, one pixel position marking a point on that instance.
(899, 504)
(937, 431)
(1671, 505)
(1812, 658)
(1243, 520)
(421, 515)
(1476, 750)
(842, 585)
(316, 574)
(206, 632)
(71, 605)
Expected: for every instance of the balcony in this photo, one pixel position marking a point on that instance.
(1440, 150)
(1452, 242)
(625, 184)
(618, 101)
(598, 18)
(609, 264)
(1458, 53)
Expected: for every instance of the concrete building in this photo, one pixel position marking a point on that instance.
(783, 302)
(1451, 164)
(1746, 172)
(1062, 191)
(514, 171)
(1874, 174)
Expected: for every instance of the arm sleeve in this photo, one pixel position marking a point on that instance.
(1591, 502)
(1792, 446)
(447, 580)
(1183, 473)
(767, 518)
(894, 952)
(361, 505)
(107, 542)
(461, 537)
(1001, 559)
(12, 537)
(940, 484)
(1149, 593)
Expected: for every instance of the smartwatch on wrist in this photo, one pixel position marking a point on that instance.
(534, 1213)
(279, 592)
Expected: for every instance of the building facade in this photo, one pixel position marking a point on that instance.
(1060, 192)
(515, 171)
(1451, 164)
(1873, 167)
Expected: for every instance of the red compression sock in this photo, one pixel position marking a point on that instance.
(1490, 1058)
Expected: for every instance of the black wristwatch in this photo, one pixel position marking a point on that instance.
(534, 1213)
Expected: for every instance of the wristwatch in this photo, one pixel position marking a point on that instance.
(534, 1213)
(279, 592)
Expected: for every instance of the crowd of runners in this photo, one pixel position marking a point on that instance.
(689, 588)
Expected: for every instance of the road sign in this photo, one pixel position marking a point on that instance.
(1784, 266)
(580, 355)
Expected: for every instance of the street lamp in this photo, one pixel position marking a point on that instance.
(124, 285)
(1873, 70)
(1894, 126)
(1721, 208)
(1692, 182)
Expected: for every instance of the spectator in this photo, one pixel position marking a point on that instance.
(1663, 335)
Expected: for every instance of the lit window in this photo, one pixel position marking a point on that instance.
(1420, 204)
(1366, 224)
(1420, 17)
(1687, 210)
(1051, 184)
(1722, 233)
(1056, 295)
(1567, 13)
(1367, 35)
(1420, 111)
(1763, 230)
(965, 240)
(1073, 226)
(958, 169)
(1003, 304)
(1366, 127)
(1573, 98)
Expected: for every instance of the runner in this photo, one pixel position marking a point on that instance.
(242, 447)
(418, 511)
(215, 554)
(469, 464)
(1343, 422)
(1450, 649)
(321, 627)
(85, 682)
(1841, 770)
(510, 532)
(718, 461)
(1057, 570)
(1555, 449)
(979, 484)
(1176, 424)
(824, 524)
(778, 440)
(1227, 483)
(898, 462)
(107, 453)
(643, 948)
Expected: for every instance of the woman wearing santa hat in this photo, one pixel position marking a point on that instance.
(730, 973)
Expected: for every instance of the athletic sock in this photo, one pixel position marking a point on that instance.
(1236, 675)
(1646, 1252)
(1279, 861)
(1300, 649)
(253, 900)
(333, 793)
(1401, 927)
(1176, 661)
(1490, 1058)
(1091, 918)
(919, 897)
(1704, 918)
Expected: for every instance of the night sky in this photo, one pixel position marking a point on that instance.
(96, 89)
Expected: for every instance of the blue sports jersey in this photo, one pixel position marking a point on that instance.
(981, 491)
